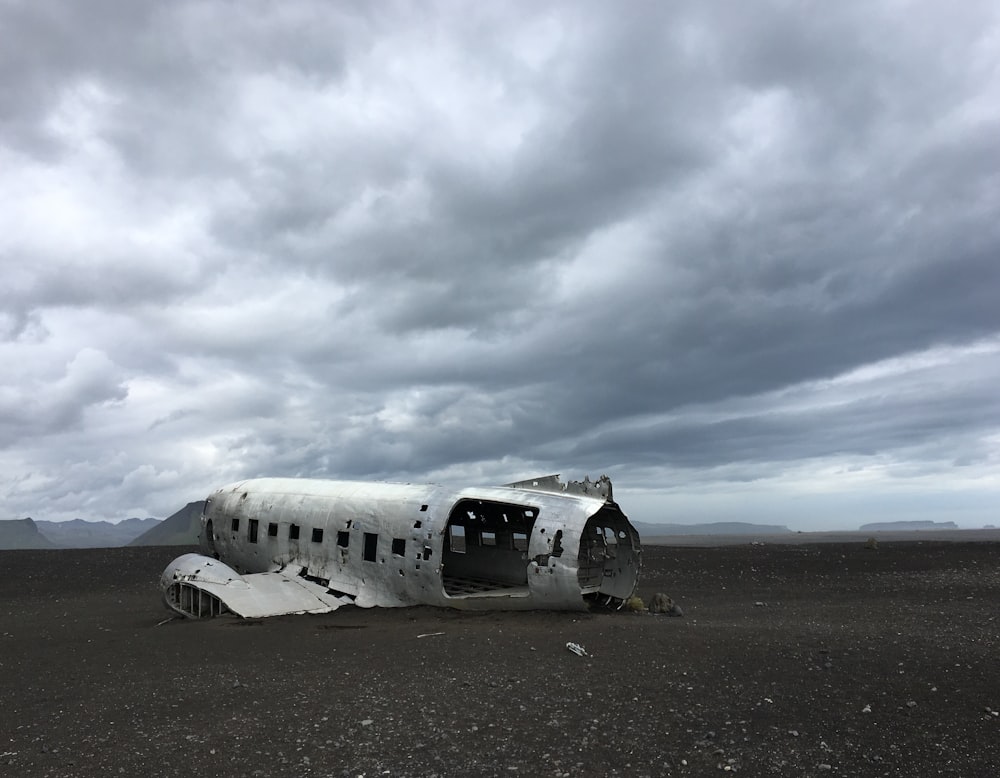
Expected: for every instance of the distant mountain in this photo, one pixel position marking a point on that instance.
(22, 533)
(906, 526)
(94, 534)
(180, 529)
(715, 528)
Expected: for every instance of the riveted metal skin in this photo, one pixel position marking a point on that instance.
(273, 546)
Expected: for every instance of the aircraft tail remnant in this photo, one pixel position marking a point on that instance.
(273, 546)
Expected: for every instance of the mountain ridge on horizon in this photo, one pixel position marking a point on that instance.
(711, 528)
(180, 528)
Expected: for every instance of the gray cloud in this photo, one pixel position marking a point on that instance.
(704, 249)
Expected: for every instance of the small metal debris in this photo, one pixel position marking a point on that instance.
(430, 634)
(577, 649)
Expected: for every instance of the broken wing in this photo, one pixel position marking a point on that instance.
(197, 586)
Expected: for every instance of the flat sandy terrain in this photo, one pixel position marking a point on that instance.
(792, 660)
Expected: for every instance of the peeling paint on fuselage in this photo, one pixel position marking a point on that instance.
(383, 544)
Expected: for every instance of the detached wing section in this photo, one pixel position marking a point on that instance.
(197, 586)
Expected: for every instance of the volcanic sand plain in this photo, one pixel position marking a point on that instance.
(790, 660)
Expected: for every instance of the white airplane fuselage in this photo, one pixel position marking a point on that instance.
(279, 545)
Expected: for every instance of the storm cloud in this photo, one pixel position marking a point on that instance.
(743, 259)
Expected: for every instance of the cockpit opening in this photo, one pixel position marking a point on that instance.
(609, 559)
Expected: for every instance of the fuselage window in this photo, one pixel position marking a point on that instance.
(317, 535)
(236, 525)
(370, 550)
(252, 531)
(293, 531)
(343, 538)
(399, 546)
(272, 530)
(456, 536)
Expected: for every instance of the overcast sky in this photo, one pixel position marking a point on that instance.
(743, 258)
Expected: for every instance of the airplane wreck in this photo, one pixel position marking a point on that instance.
(275, 546)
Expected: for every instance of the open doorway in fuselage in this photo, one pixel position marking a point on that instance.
(209, 539)
(486, 549)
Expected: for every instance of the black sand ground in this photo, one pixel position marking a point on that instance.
(783, 652)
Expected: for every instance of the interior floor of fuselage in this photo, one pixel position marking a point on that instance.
(455, 586)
